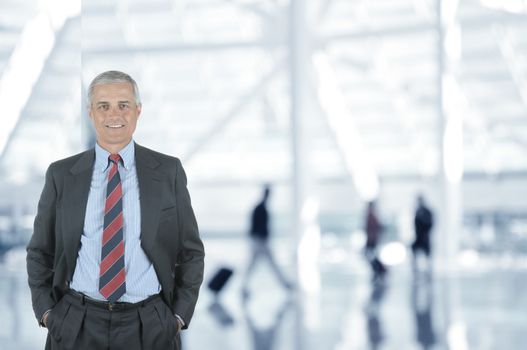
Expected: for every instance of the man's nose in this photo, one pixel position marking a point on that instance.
(114, 110)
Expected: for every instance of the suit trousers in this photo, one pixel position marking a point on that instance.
(80, 323)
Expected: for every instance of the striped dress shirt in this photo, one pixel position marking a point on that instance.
(141, 278)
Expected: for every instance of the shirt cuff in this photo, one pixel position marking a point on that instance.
(41, 323)
(180, 320)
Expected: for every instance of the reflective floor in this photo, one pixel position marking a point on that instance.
(482, 307)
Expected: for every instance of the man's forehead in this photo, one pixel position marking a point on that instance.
(113, 88)
(112, 93)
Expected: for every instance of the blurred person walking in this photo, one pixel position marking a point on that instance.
(373, 229)
(115, 260)
(423, 223)
(260, 250)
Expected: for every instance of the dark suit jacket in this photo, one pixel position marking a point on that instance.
(260, 222)
(169, 232)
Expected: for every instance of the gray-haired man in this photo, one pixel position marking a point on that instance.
(115, 260)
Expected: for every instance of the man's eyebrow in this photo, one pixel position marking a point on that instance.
(106, 102)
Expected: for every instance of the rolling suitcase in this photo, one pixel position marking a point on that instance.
(219, 279)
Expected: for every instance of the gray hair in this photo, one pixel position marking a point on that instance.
(112, 77)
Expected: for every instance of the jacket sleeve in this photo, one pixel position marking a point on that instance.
(190, 261)
(41, 249)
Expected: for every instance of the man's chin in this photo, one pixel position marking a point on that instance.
(114, 141)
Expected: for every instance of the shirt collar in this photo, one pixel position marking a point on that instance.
(127, 156)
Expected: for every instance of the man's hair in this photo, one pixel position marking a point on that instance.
(112, 77)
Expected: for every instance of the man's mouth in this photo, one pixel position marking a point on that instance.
(115, 126)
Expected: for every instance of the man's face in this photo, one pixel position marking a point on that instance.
(114, 114)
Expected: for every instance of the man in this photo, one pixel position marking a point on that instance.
(260, 247)
(373, 229)
(115, 260)
(423, 223)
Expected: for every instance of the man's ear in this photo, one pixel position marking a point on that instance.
(139, 109)
(89, 110)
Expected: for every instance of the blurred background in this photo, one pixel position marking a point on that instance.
(331, 103)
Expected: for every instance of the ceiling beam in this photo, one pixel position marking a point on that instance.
(208, 136)
(123, 50)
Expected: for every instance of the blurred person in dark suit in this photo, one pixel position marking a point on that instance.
(115, 260)
(259, 233)
(423, 223)
(373, 229)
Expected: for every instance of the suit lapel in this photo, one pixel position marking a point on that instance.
(149, 180)
(74, 201)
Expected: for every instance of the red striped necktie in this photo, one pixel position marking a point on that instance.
(112, 275)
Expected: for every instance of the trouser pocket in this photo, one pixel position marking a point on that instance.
(154, 331)
(64, 323)
(56, 319)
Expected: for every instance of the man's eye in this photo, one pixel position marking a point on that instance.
(104, 107)
(123, 106)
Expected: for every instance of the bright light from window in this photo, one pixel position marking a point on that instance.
(514, 6)
(469, 258)
(455, 106)
(22, 72)
(358, 239)
(393, 253)
(453, 151)
(60, 10)
(348, 137)
(309, 248)
(308, 251)
(453, 43)
(310, 210)
(457, 336)
(27, 61)
(449, 10)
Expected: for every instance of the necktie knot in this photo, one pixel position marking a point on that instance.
(115, 158)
